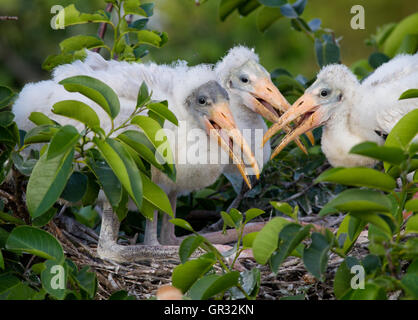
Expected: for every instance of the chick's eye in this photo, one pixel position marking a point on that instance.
(202, 100)
(244, 79)
(324, 93)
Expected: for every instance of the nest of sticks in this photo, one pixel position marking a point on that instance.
(143, 279)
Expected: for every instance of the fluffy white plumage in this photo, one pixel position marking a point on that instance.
(251, 124)
(366, 107)
(173, 83)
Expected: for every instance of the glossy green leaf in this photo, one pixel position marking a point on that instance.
(6, 96)
(188, 246)
(79, 42)
(204, 289)
(358, 200)
(157, 137)
(349, 222)
(185, 275)
(359, 177)
(48, 180)
(370, 292)
(71, 16)
(248, 240)
(75, 188)
(265, 243)
(143, 95)
(393, 155)
(40, 134)
(96, 90)
(315, 258)
(409, 94)
(133, 7)
(6, 118)
(123, 167)
(35, 241)
(155, 195)
(54, 279)
(10, 218)
(291, 236)
(375, 219)
(412, 205)
(404, 131)
(77, 110)
(87, 281)
(252, 213)
(163, 111)
(63, 140)
(182, 224)
(412, 224)
(39, 119)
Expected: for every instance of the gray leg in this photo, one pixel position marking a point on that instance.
(109, 249)
(151, 231)
(167, 228)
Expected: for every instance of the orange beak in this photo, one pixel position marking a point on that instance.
(221, 126)
(266, 97)
(304, 108)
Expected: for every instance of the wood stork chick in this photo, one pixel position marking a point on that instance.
(194, 97)
(352, 112)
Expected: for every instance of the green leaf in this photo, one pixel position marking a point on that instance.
(227, 219)
(143, 95)
(42, 133)
(47, 182)
(53, 276)
(77, 110)
(133, 7)
(343, 277)
(6, 118)
(1, 261)
(404, 131)
(370, 292)
(375, 219)
(96, 90)
(87, 281)
(391, 155)
(140, 143)
(121, 295)
(248, 240)
(182, 224)
(316, 256)
(123, 167)
(409, 94)
(58, 59)
(163, 111)
(292, 235)
(266, 17)
(283, 207)
(75, 188)
(410, 284)
(63, 140)
(252, 214)
(87, 216)
(35, 241)
(412, 223)
(155, 195)
(71, 16)
(226, 7)
(148, 37)
(79, 42)
(39, 119)
(357, 226)
(44, 218)
(412, 205)
(265, 243)
(185, 275)
(157, 137)
(358, 200)
(12, 219)
(188, 246)
(249, 6)
(359, 177)
(204, 289)
(6, 96)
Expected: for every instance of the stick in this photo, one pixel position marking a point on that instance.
(4, 18)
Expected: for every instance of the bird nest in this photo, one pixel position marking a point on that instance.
(142, 279)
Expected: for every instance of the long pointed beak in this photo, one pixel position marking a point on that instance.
(307, 109)
(221, 125)
(267, 98)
